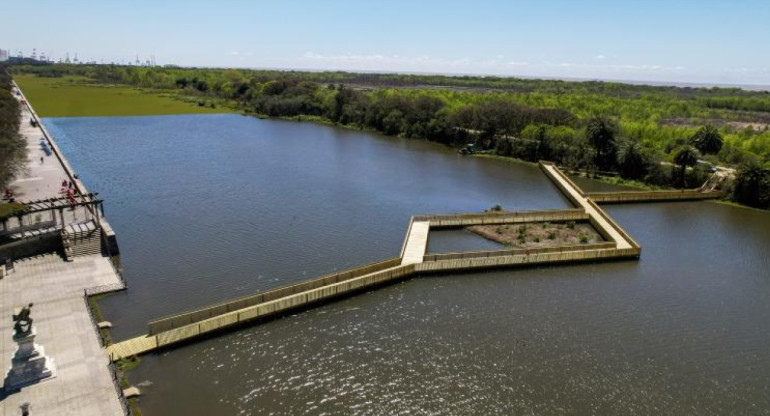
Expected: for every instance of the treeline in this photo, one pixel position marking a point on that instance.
(164, 77)
(738, 104)
(13, 150)
(641, 111)
(593, 126)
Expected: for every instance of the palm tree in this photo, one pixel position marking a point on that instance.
(631, 160)
(707, 139)
(686, 156)
(600, 133)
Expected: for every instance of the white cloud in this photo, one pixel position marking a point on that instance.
(596, 67)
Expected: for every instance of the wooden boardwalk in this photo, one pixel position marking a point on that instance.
(596, 215)
(416, 243)
(653, 196)
(412, 261)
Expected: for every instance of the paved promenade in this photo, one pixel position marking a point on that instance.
(83, 384)
(40, 180)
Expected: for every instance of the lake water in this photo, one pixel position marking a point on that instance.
(212, 207)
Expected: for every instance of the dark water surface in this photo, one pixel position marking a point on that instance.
(212, 207)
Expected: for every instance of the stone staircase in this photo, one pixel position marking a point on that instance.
(81, 239)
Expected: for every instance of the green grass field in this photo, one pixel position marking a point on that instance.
(79, 97)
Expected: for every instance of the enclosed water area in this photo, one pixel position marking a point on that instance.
(212, 207)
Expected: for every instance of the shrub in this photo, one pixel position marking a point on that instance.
(571, 225)
(11, 209)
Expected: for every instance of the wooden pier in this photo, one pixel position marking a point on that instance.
(412, 261)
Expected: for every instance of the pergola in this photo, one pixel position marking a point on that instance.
(83, 207)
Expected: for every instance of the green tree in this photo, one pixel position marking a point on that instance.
(686, 156)
(600, 133)
(752, 185)
(13, 147)
(632, 162)
(708, 140)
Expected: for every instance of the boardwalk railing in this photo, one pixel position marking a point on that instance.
(617, 227)
(652, 196)
(198, 315)
(502, 217)
(406, 237)
(518, 251)
(143, 344)
(523, 259)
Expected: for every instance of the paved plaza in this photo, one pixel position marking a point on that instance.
(83, 383)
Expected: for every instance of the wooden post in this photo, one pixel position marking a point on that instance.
(96, 212)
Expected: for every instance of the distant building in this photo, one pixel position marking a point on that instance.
(3, 55)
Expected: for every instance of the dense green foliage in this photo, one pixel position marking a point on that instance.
(13, 150)
(11, 209)
(633, 130)
(752, 186)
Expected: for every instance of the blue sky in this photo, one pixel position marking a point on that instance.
(706, 41)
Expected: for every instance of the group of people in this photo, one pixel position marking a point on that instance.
(68, 190)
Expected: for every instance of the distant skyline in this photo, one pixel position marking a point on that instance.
(706, 41)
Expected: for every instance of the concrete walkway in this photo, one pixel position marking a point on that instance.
(83, 384)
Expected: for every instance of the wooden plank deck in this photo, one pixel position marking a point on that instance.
(416, 243)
